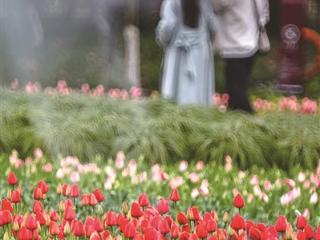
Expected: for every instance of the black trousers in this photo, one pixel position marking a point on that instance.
(238, 74)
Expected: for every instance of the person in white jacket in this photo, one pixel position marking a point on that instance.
(185, 31)
(239, 23)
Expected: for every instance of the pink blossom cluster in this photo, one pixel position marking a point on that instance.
(71, 168)
(292, 104)
(30, 162)
(221, 101)
(63, 88)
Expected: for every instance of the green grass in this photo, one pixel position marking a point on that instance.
(160, 131)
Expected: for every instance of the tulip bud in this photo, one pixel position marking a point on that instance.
(230, 231)
(6, 236)
(67, 229)
(289, 232)
(59, 189)
(225, 217)
(99, 209)
(190, 215)
(61, 206)
(47, 218)
(15, 226)
(125, 208)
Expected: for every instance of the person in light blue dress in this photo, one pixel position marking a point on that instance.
(185, 31)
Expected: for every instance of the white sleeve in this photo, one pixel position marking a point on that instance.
(210, 17)
(263, 11)
(168, 23)
(220, 6)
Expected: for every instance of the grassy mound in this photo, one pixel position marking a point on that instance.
(87, 126)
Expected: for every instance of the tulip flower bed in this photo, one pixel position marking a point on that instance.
(69, 198)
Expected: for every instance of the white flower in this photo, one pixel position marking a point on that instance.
(143, 177)
(60, 173)
(314, 198)
(74, 177)
(194, 177)
(228, 163)
(183, 166)
(156, 173)
(200, 165)
(301, 177)
(108, 184)
(194, 193)
(204, 187)
(119, 162)
(267, 185)
(176, 182)
(254, 180)
(242, 175)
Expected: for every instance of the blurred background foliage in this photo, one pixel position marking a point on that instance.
(74, 48)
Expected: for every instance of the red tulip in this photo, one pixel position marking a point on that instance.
(186, 228)
(43, 186)
(301, 222)
(309, 232)
(175, 196)
(6, 205)
(261, 227)
(69, 214)
(5, 217)
(193, 214)
(211, 226)
(281, 224)
(301, 236)
(78, 229)
(163, 206)
(111, 219)
(98, 225)
(38, 194)
(143, 200)
(66, 189)
(15, 196)
(54, 228)
(24, 234)
(152, 234)
(105, 235)
(164, 227)
(37, 207)
(193, 237)
(201, 231)
(31, 223)
(136, 211)
(184, 236)
(54, 216)
(238, 201)
(237, 222)
(74, 191)
(93, 200)
(254, 233)
(89, 226)
(130, 230)
(174, 231)
(182, 219)
(12, 179)
(95, 236)
(317, 234)
(99, 195)
(85, 199)
(40, 218)
(208, 216)
(122, 222)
